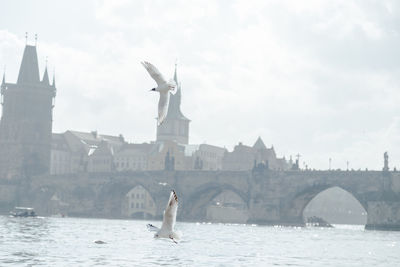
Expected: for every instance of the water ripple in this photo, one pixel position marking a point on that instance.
(69, 242)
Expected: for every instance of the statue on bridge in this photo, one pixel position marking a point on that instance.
(260, 167)
(169, 162)
(386, 162)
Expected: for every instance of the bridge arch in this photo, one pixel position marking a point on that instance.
(212, 198)
(139, 203)
(335, 205)
(298, 203)
(227, 207)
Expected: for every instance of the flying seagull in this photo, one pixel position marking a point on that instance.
(163, 87)
(167, 227)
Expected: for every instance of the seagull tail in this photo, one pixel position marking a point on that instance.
(152, 228)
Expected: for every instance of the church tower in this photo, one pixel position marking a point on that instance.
(26, 122)
(175, 126)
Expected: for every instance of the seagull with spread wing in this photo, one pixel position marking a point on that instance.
(167, 228)
(163, 87)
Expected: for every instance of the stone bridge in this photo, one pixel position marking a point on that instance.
(269, 197)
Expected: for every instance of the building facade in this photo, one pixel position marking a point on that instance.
(138, 203)
(133, 157)
(208, 157)
(61, 155)
(248, 157)
(74, 152)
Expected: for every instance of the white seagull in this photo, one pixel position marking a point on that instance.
(163, 87)
(167, 227)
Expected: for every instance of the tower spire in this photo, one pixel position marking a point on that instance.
(175, 74)
(45, 79)
(4, 76)
(54, 78)
(29, 69)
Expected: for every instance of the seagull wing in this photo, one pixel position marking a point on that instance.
(170, 213)
(163, 106)
(173, 87)
(154, 73)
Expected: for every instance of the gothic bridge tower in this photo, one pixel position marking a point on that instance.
(26, 122)
(175, 126)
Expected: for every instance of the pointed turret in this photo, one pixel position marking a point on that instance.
(176, 98)
(259, 144)
(174, 108)
(45, 79)
(54, 80)
(4, 79)
(29, 70)
(176, 75)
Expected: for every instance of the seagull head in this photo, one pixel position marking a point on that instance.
(153, 89)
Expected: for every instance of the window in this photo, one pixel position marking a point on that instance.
(142, 205)
(137, 205)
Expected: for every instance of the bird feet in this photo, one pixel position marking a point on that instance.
(173, 239)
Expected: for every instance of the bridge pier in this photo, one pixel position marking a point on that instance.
(383, 215)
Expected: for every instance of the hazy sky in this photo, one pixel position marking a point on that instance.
(319, 78)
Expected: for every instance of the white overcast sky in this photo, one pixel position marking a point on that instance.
(319, 78)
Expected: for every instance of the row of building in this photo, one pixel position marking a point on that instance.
(28, 146)
(74, 152)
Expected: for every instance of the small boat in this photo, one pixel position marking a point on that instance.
(23, 212)
(58, 215)
(315, 221)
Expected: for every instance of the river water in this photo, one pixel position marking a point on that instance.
(70, 242)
